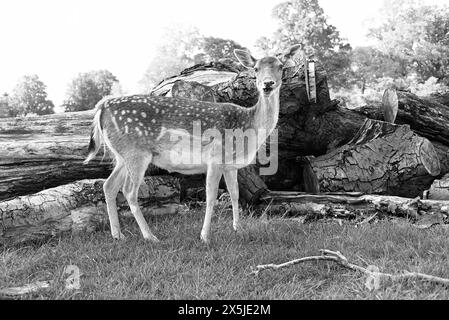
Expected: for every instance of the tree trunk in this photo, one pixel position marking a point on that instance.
(37, 153)
(350, 206)
(78, 207)
(439, 190)
(251, 185)
(381, 159)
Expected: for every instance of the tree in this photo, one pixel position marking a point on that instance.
(5, 107)
(369, 64)
(87, 89)
(176, 51)
(30, 97)
(304, 21)
(218, 48)
(416, 36)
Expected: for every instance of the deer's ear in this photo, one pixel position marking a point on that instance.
(245, 58)
(292, 51)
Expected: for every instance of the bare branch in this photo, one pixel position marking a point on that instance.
(340, 259)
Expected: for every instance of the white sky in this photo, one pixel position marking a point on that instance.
(57, 39)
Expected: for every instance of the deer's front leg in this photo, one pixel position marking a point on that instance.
(213, 176)
(233, 189)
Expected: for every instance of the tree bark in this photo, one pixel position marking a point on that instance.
(382, 159)
(350, 206)
(439, 190)
(43, 152)
(78, 207)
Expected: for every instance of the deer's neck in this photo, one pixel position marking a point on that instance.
(266, 112)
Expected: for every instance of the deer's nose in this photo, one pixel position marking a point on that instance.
(268, 84)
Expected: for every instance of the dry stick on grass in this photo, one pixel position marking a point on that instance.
(337, 257)
(26, 289)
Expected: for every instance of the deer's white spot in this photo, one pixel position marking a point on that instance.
(143, 114)
(153, 121)
(130, 120)
(126, 129)
(139, 132)
(156, 110)
(115, 112)
(123, 112)
(134, 111)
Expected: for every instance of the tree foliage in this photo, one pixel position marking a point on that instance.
(217, 48)
(304, 21)
(29, 96)
(6, 109)
(181, 47)
(416, 36)
(87, 89)
(176, 51)
(369, 64)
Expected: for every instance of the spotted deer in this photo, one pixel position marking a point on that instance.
(140, 130)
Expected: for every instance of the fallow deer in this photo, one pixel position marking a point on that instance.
(139, 130)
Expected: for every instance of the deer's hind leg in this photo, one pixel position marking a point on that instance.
(136, 166)
(111, 187)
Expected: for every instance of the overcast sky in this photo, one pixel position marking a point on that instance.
(57, 39)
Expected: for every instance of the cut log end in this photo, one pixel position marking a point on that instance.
(383, 158)
(429, 158)
(390, 105)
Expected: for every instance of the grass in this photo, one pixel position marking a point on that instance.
(181, 267)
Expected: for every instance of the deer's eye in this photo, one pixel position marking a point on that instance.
(256, 69)
(281, 67)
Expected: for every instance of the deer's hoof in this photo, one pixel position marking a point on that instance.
(238, 228)
(120, 236)
(205, 238)
(151, 238)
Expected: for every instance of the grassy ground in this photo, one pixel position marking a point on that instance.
(181, 267)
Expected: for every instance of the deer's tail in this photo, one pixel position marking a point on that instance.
(96, 135)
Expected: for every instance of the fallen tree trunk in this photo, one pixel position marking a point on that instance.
(439, 190)
(78, 207)
(37, 153)
(350, 205)
(382, 159)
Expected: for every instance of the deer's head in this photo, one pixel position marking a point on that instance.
(268, 70)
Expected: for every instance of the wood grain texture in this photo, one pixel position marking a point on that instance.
(390, 105)
(350, 205)
(77, 207)
(383, 159)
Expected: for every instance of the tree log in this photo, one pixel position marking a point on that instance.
(439, 190)
(37, 153)
(382, 159)
(78, 207)
(350, 205)
(43, 152)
